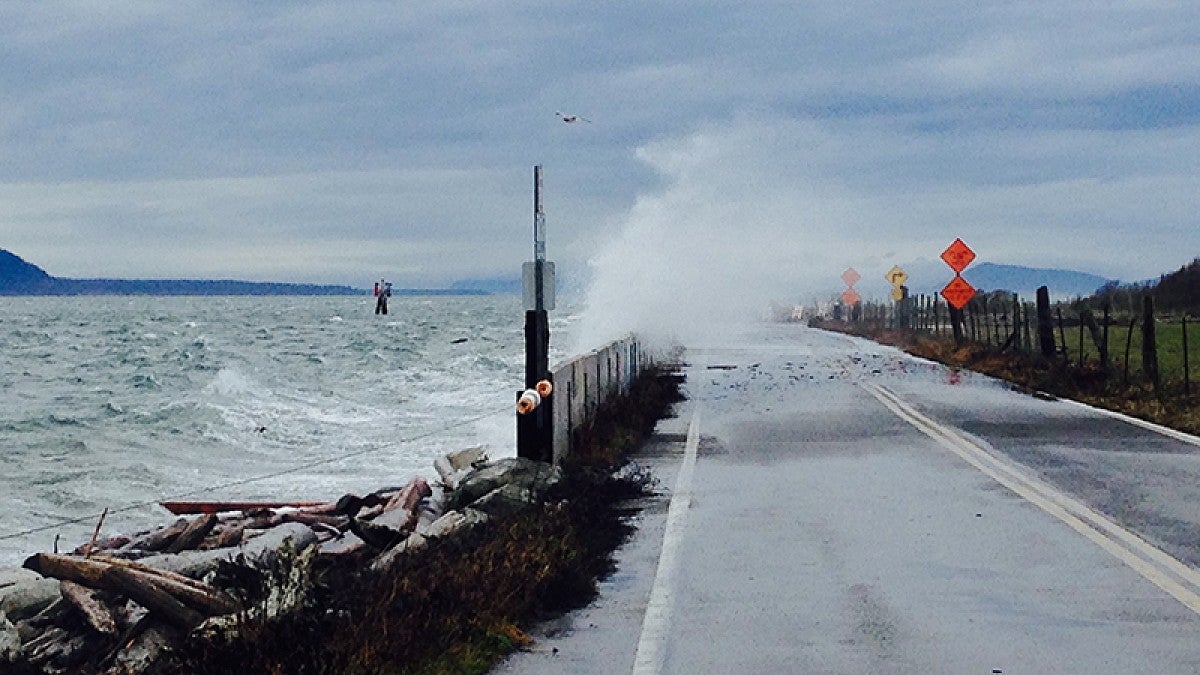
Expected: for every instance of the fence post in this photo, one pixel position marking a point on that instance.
(1081, 344)
(1062, 334)
(1045, 327)
(1128, 344)
(956, 323)
(1186, 371)
(1104, 338)
(1149, 347)
(1016, 321)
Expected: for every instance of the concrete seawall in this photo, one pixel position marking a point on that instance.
(583, 383)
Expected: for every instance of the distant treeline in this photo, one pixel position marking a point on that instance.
(1177, 292)
(60, 286)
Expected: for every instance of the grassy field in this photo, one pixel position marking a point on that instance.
(1169, 339)
(1170, 406)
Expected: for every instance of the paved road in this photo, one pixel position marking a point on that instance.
(843, 508)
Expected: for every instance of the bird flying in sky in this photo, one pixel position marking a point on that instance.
(572, 119)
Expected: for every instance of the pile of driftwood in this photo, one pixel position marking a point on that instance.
(118, 604)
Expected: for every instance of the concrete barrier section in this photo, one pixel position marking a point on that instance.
(584, 383)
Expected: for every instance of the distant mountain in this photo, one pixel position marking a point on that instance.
(1026, 280)
(929, 277)
(18, 277)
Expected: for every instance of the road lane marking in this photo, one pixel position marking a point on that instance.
(1079, 509)
(1171, 575)
(650, 650)
(1156, 428)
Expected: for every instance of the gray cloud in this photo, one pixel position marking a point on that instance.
(330, 140)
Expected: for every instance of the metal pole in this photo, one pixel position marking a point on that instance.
(535, 438)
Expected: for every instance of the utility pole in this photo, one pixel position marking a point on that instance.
(535, 437)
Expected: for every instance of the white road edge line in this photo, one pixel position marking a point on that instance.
(1164, 571)
(1075, 507)
(650, 653)
(1157, 428)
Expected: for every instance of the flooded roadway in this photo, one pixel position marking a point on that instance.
(845, 508)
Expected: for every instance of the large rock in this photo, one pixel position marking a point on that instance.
(26, 598)
(536, 477)
(15, 575)
(453, 467)
(505, 501)
(455, 521)
(388, 558)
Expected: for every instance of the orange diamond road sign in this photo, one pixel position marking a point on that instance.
(851, 276)
(850, 297)
(958, 255)
(896, 276)
(958, 292)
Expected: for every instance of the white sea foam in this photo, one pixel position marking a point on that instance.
(230, 382)
(375, 400)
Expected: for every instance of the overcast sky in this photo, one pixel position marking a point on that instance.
(759, 144)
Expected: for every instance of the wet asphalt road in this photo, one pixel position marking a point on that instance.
(853, 510)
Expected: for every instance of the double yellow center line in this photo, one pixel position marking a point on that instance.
(1169, 574)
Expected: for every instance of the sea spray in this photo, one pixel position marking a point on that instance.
(762, 210)
(711, 249)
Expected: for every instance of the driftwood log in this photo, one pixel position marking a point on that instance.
(193, 534)
(94, 612)
(95, 573)
(150, 596)
(123, 607)
(159, 539)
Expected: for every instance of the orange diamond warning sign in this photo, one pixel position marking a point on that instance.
(850, 297)
(958, 292)
(958, 255)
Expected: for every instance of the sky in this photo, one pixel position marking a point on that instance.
(747, 150)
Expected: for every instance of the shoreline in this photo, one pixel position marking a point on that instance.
(546, 534)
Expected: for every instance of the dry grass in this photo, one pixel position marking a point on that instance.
(1169, 407)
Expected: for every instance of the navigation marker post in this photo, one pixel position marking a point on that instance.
(535, 418)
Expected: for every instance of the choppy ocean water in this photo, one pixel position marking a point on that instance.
(111, 402)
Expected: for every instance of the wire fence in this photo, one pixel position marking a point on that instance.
(1127, 347)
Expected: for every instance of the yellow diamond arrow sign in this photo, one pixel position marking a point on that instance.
(896, 276)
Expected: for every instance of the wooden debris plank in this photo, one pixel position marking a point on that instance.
(186, 507)
(94, 612)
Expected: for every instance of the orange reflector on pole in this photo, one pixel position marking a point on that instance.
(528, 401)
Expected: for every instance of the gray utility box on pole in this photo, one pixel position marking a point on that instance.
(530, 285)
